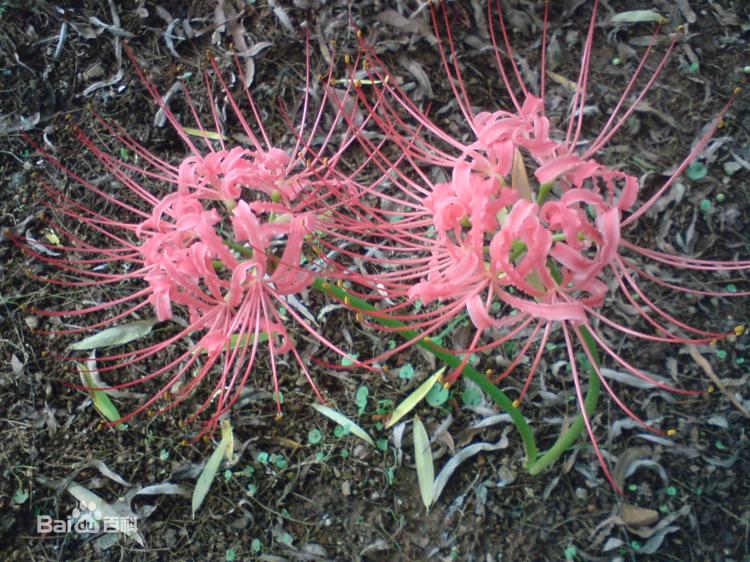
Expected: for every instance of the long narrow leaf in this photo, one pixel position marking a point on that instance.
(423, 460)
(638, 16)
(461, 456)
(413, 399)
(118, 335)
(343, 421)
(225, 449)
(102, 403)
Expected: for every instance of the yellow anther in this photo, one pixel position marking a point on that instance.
(489, 372)
(713, 342)
(426, 339)
(710, 389)
(358, 317)
(347, 300)
(737, 90)
(326, 286)
(308, 163)
(365, 64)
(516, 403)
(325, 161)
(386, 79)
(721, 124)
(340, 283)
(347, 59)
(671, 432)
(359, 34)
(739, 329)
(681, 28)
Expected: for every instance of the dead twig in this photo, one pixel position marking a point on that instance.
(706, 366)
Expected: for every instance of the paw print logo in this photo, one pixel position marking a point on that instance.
(86, 518)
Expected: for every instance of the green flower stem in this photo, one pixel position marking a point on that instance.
(527, 436)
(544, 191)
(566, 440)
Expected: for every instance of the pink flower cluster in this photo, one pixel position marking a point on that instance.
(518, 256)
(491, 232)
(191, 264)
(229, 243)
(221, 252)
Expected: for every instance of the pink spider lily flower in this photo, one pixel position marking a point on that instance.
(217, 242)
(520, 258)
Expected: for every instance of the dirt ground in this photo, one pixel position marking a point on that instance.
(298, 489)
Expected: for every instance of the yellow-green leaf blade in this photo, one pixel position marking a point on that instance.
(100, 399)
(423, 460)
(343, 421)
(212, 135)
(413, 399)
(208, 474)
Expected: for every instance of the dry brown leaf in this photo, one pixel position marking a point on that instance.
(706, 366)
(635, 516)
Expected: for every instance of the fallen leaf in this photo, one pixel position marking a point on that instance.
(635, 516)
(413, 399)
(224, 449)
(343, 421)
(118, 335)
(638, 16)
(423, 460)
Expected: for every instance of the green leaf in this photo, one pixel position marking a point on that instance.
(346, 361)
(471, 396)
(697, 171)
(638, 16)
(344, 422)
(437, 396)
(119, 335)
(414, 398)
(314, 436)
(225, 449)
(423, 460)
(406, 371)
(101, 400)
(360, 398)
(20, 496)
(205, 134)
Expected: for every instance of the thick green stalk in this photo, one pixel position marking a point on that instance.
(527, 436)
(566, 440)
